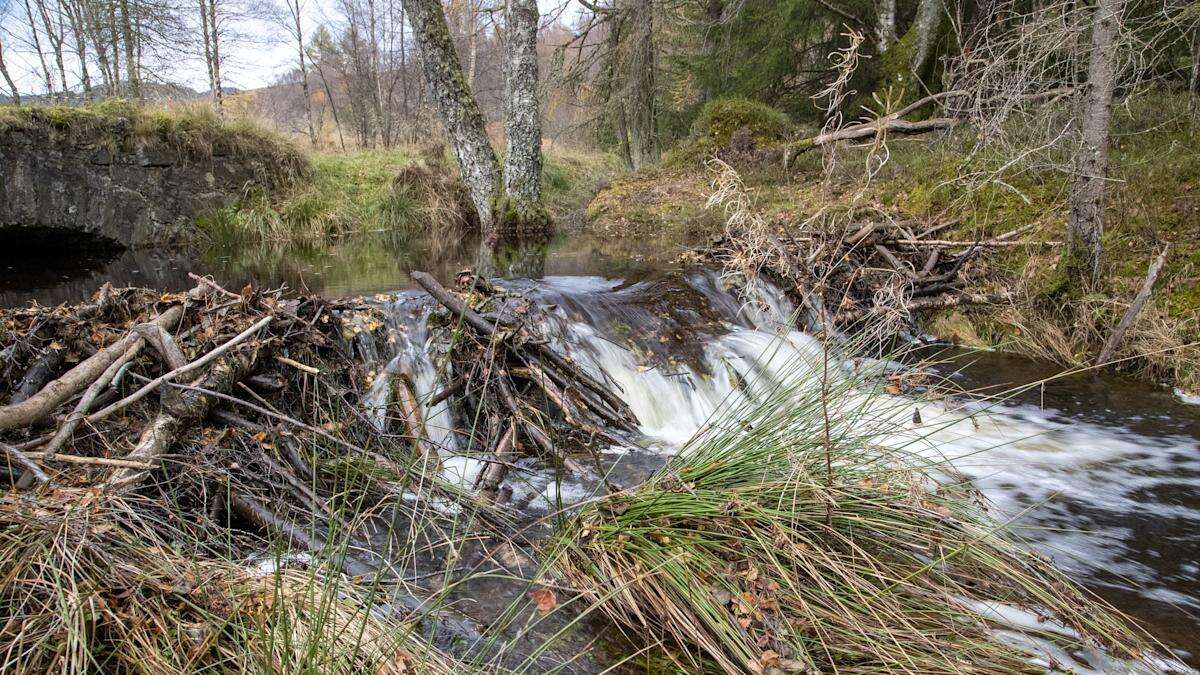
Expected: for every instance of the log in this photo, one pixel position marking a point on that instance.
(38, 374)
(1135, 308)
(940, 302)
(43, 403)
(182, 370)
(67, 430)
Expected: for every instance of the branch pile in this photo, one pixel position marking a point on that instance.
(513, 391)
(225, 415)
(875, 272)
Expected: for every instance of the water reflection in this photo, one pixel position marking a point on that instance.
(360, 265)
(513, 258)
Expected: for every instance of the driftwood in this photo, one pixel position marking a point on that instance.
(1135, 308)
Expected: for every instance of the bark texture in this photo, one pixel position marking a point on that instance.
(1085, 228)
(926, 26)
(456, 107)
(641, 68)
(885, 31)
(522, 119)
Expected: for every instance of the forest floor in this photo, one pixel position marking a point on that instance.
(1154, 198)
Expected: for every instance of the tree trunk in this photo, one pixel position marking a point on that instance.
(131, 63)
(472, 32)
(337, 124)
(214, 24)
(114, 36)
(457, 108)
(522, 120)
(640, 69)
(204, 30)
(75, 14)
(926, 25)
(297, 10)
(12, 87)
(885, 31)
(55, 36)
(37, 46)
(1086, 217)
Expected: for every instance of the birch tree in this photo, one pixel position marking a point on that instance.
(12, 87)
(522, 121)
(295, 10)
(516, 204)
(1085, 229)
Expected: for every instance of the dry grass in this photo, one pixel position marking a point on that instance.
(90, 586)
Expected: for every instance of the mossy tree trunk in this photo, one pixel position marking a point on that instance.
(456, 107)
(505, 202)
(1085, 228)
(522, 121)
(640, 69)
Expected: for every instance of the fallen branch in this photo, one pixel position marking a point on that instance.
(1135, 308)
(41, 404)
(182, 370)
(24, 461)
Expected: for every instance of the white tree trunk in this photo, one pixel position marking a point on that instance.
(1086, 217)
(522, 120)
(885, 31)
(927, 24)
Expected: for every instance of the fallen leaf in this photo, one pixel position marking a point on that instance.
(544, 599)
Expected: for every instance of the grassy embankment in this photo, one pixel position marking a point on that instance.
(192, 131)
(1154, 198)
(401, 192)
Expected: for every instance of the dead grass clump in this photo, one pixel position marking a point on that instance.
(443, 206)
(91, 586)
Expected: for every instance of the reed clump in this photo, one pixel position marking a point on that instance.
(803, 533)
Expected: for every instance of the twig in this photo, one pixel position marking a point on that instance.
(298, 366)
(24, 461)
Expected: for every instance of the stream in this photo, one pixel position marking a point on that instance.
(1100, 472)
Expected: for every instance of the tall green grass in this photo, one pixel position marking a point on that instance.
(802, 532)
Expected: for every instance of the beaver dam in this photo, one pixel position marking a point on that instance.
(574, 474)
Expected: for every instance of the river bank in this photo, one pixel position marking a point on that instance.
(944, 183)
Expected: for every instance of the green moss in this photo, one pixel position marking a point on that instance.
(716, 123)
(720, 118)
(194, 132)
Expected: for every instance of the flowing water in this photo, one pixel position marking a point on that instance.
(1101, 473)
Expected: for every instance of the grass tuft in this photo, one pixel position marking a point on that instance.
(91, 586)
(762, 547)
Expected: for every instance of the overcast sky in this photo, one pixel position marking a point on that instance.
(244, 66)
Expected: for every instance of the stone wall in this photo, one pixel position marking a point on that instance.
(134, 191)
